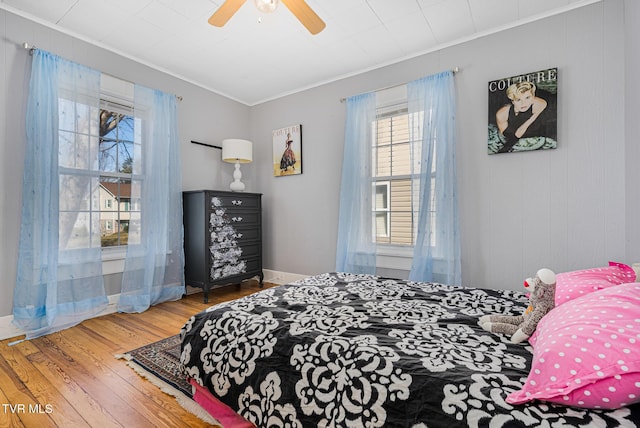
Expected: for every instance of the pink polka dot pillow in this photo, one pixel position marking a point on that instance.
(587, 352)
(570, 285)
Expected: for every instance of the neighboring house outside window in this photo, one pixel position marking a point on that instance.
(114, 222)
(395, 174)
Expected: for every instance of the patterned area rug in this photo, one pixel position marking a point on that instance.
(159, 362)
(162, 359)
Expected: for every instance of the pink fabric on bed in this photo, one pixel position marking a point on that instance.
(587, 352)
(223, 413)
(570, 285)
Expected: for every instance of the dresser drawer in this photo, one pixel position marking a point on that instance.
(223, 253)
(248, 233)
(234, 219)
(254, 266)
(240, 219)
(240, 201)
(251, 250)
(221, 239)
(220, 271)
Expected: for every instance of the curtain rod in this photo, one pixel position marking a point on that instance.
(31, 48)
(454, 70)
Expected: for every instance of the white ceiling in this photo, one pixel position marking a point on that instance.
(253, 62)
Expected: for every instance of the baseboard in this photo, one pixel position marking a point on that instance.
(8, 330)
(277, 277)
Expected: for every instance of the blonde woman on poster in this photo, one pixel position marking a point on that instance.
(523, 112)
(516, 120)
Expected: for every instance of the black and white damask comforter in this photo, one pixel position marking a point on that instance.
(342, 350)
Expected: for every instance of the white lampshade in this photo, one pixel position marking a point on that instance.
(237, 151)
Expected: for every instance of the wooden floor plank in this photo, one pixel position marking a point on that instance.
(89, 383)
(10, 412)
(63, 412)
(16, 397)
(87, 405)
(102, 377)
(72, 378)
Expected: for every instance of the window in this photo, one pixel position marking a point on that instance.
(99, 155)
(395, 201)
(116, 160)
(396, 169)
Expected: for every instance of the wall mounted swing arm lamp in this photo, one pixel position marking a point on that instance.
(206, 145)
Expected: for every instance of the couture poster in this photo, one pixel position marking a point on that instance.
(523, 112)
(287, 151)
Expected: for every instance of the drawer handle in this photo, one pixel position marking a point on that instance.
(236, 219)
(238, 202)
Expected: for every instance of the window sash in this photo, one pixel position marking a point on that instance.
(392, 174)
(85, 215)
(396, 168)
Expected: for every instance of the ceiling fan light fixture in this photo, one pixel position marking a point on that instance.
(299, 8)
(266, 6)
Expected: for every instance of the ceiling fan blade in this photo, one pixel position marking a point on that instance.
(305, 15)
(225, 12)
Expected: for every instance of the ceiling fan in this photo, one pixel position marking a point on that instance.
(299, 8)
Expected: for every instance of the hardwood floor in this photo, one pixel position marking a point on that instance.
(72, 378)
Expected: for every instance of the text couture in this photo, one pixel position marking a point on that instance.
(539, 76)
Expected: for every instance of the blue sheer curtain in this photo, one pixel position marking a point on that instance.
(431, 102)
(355, 251)
(59, 279)
(154, 265)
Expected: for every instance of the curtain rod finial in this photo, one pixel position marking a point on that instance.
(31, 48)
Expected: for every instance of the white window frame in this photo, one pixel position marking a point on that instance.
(386, 210)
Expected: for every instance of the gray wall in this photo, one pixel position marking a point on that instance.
(202, 115)
(632, 136)
(568, 208)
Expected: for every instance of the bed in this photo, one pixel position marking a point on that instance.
(339, 349)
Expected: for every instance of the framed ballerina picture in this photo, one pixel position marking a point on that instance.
(287, 151)
(523, 112)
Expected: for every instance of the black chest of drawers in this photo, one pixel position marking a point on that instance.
(222, 238)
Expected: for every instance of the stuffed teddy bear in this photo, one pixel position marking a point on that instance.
(541, 301)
